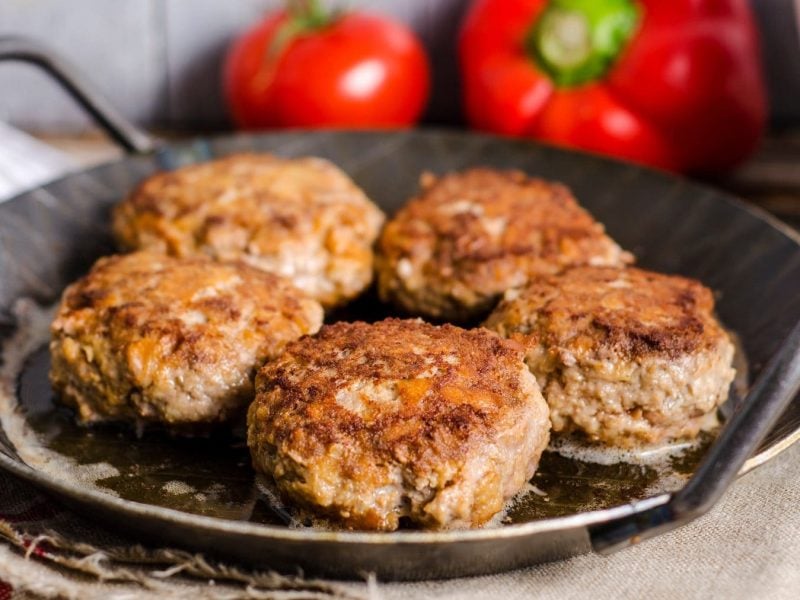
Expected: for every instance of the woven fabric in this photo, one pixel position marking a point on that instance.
(748, 547)
(50, 551)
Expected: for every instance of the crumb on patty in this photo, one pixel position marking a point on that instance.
(471, 235)
(626, 356)
(150, 338)
(364, 424)
(302, 218)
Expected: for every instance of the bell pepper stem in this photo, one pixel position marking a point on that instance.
(577, 41)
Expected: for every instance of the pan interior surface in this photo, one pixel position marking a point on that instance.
(211, 475)
(52, 235)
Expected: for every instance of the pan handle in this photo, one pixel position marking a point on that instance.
(125, 133)
(775, 388)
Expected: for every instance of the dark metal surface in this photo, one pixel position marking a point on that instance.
(106, 116)
(51, 235)
(212, 476)
(752, 419)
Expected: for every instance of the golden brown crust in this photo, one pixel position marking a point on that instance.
(302, 218)
(625, 356)
(153, 338)
(469, 236)
(399, 403)
(610, 312)
(462, 400)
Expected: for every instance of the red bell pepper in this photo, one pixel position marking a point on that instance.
(672, 83)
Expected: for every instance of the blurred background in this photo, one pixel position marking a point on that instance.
(159, 61)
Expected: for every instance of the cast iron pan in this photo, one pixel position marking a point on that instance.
(51, 235)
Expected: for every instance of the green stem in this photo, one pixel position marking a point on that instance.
(577, 41)
(309, 14)
(304, 16)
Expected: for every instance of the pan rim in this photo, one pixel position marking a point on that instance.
(508, 532)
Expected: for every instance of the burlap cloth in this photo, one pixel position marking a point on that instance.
(748, 547)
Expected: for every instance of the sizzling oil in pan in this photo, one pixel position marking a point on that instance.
(212, 475)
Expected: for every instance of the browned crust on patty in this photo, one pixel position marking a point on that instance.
(400, 404)
(148, 337)
(461, 400)
(471, 235)
(609, 312)
(302, 218)
(625, 356)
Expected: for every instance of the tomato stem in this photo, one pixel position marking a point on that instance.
(303, 16)
(308, 14)
(577, 41)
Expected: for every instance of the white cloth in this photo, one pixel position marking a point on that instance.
(26, 162)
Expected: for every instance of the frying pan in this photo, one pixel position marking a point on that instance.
(50, 235)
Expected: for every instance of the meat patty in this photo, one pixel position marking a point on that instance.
(302, 218)
(365, 424)
(469, 236)
(626, 356)
(150, 338)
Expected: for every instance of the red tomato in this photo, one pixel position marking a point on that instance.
(350, 70)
